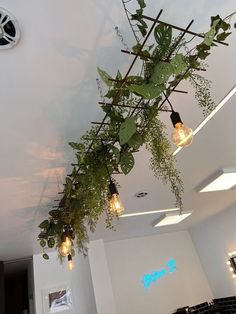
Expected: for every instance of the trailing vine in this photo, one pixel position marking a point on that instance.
(132, 108)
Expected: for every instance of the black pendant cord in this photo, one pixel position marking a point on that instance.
(167, 99)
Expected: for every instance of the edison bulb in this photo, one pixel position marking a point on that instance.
(181, 135)
(116, 206)
(64, 250)
(68, 243)
(228, 263)
(71, 264)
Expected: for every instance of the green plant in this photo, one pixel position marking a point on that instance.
(132, 108)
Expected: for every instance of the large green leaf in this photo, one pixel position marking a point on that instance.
(106, 78)
(126, 162)
(163, 36)
(209, 36)
(136, 141)
(44, 225)
(178, 64)
(161, 73)
(148, 91)
(127, 129)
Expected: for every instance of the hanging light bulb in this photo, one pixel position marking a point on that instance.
(64, 250)
(68, 242)
(71, 264)
(181, 135)
(116, 206)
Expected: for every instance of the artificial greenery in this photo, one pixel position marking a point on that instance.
(100, 154)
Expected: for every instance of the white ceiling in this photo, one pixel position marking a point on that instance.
(49, 97)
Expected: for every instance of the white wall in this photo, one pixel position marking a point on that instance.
(101, 278)
(129, 260)
(213, 239)
(49, 274)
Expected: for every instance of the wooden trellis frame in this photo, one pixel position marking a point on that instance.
(137, 55)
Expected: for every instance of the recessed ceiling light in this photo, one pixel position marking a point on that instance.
(211, 115)
(141, 194)
(150, 212)
(224, 179)
(170, 219)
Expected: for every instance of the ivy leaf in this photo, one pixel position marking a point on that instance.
(163, 36)
(45, 256)
(77, 146)
(127, 129)
(54, 213)
(148, 91)
(113, 92)
(143, 28)
(161, 73)
(52, 230)
(42, 235)
(44, 225)
(203, 54)
(141, 3)
(209, 36)
(223, 36)
(51, 243)
(215, 18)
(223, 25)
(136, 141)
(116, 152)
(126, 162)
(178, 64)
(106, 78)
(42, 243)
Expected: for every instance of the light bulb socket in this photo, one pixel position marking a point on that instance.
(175, 118)
(63, 237)
(113, 188)
(69, 257)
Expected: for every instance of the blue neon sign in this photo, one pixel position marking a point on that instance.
(148, 279)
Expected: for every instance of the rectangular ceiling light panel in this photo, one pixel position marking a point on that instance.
(150, 212)
(223, 180)
(168, 219)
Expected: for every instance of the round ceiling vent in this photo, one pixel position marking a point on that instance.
(9, 30)
(141, 194)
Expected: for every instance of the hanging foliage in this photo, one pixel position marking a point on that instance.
(110, 149)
